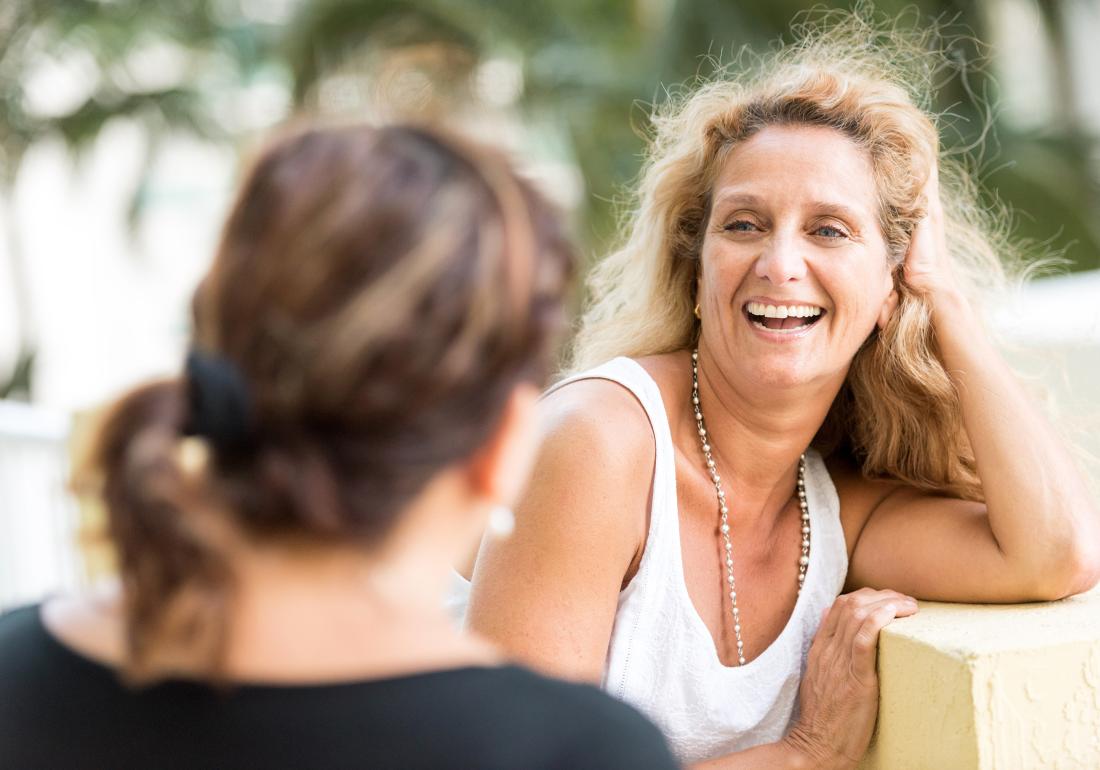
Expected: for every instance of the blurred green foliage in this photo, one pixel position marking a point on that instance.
(590, 70)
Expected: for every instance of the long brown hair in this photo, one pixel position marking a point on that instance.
(378, 293)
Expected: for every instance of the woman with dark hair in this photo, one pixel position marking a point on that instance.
(368, 347)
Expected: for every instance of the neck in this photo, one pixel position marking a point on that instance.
(401, 578)
(334, 612)
(384, 581)
(757, 435)
(338, 615)
(306, 612)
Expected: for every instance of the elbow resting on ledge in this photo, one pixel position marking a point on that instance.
(1086, 572)
(1074, 570)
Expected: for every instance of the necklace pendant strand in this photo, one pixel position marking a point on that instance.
(723, 509)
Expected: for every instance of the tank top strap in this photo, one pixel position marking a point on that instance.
(629, 374)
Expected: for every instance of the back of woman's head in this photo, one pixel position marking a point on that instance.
(377, 296)
(898, 413)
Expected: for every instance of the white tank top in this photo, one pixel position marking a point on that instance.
(661, 657)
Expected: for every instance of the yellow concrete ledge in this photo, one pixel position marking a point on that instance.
(972, 687)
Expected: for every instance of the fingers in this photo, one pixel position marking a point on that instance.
(860, 633)
(861, 615)
(872, 595)
(842, 622)
(933, 205)
(932, 184)
(934, 202)
(867, 596)
(907, 608)
(833, 618)
(865, 642)
(851, 611)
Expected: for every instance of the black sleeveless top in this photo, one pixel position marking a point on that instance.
(59, 709)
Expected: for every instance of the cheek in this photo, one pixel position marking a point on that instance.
(860, 291)
(721, 272)
(718, 279)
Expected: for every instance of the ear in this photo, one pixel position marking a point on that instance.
(498, 470)
(889, 304)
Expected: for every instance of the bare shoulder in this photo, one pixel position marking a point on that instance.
(548, 593)
(600, 428)
(858, 495)
(599, 419)
(594, 472)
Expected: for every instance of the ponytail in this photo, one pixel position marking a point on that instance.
(176, 581)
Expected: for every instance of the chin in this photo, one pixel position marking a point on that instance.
(782, 374)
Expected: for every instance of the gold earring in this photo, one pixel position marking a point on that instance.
(697, 313)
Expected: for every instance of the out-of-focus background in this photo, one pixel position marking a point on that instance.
(124, 123)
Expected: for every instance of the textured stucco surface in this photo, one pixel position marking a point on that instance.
(991, 687)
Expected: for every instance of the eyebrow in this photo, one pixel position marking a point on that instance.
(825, 207)
(837, 210)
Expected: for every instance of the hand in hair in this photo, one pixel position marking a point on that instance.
(928, 263)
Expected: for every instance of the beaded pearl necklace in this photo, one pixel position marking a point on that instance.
(724, 528)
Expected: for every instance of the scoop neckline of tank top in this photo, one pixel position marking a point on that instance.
(681, 582)
(104, 667)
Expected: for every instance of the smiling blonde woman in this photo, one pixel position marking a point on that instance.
(785, 420)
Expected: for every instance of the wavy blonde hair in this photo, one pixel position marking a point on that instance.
(897, 414)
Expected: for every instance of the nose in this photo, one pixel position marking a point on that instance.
(781, 260)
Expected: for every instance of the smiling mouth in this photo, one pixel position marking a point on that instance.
(783, 318)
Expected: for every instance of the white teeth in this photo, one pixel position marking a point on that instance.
(783, 311)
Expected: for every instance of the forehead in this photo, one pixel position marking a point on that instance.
(793, 165)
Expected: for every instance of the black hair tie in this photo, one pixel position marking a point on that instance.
(219, 405)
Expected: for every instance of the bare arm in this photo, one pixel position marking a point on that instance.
(1037, 536)
(548, 594)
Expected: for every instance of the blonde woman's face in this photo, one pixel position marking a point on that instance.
(794, 266)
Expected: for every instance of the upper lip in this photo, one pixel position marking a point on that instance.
(781, 302)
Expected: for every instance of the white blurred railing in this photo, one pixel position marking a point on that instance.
(1053, 333)
(38, 518)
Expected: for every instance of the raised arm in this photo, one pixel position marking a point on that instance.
(548, 594)
(1037, 537)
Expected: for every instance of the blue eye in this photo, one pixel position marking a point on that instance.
(736, 226)
(836, 232)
